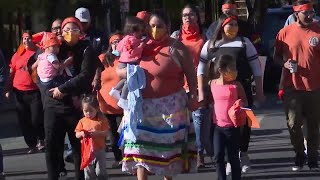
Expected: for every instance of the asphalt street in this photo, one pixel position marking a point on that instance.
(270, 152)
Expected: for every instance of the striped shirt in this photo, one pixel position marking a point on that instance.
(251, 53)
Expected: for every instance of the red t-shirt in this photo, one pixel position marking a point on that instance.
(302, 45)
(163, 75)
(21, 77)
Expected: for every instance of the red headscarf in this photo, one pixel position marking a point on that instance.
(303, 7)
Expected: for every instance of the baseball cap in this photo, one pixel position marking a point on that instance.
(83, 14)
(50, 40)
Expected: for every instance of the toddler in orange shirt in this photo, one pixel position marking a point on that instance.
(93, 127)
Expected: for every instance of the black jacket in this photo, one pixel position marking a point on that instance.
(85, 63)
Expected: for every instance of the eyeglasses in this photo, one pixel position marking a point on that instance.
(71, 30)
(189, 15)
(56, 28)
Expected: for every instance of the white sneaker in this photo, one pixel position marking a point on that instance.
(296, 168)
(228, 169)
(245, 162)
(115, 93)
(123, 103)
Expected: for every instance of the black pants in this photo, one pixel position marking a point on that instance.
(245, 131)
(227, 140)
(30, 116)
(115, 135)
(57, 123)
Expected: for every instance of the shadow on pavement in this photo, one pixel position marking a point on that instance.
(266, 132)
(17, 152)
(278, 175)
(271, 150)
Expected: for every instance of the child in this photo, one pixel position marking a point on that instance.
(226, 91)
(94, 125)
(48, 66)
(130, 48)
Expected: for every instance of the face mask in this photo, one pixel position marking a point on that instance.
(116, 53)
(231, 33)
(70, 37)
(192, 28)
(230, 76)
(157, 33)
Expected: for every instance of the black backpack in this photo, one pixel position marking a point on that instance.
(245, 73)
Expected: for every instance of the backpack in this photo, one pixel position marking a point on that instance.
(242, 63)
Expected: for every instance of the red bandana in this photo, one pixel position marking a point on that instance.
(229, 6)
(229, 19)
(153, 47)
(304, 7)
(190, 32)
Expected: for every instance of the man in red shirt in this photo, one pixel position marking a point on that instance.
(297, 49)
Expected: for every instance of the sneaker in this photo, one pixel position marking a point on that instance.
(228, 169)
(40, 145)
(123, 103)
(245, 162)
(297, 168)
(299, 162)
(32, 150)
(115, 93)
(200, 161)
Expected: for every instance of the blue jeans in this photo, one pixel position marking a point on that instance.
(199, 116)
(227, 140)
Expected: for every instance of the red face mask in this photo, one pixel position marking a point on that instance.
(190, 28)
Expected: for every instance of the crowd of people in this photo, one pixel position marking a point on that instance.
(164, 100)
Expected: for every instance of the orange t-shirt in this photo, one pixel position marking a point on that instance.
(302, 45)
(99, 124)
(109, 79)
(163, 75)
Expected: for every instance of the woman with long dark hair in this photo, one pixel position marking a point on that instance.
(190, 34)
(163, 144)
(225, 40)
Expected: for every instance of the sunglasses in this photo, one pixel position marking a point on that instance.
(56, 28)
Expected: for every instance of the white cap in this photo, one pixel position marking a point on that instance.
(83, 14)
